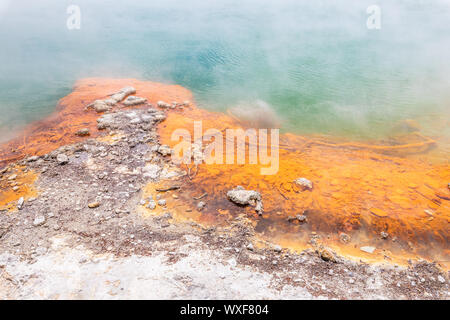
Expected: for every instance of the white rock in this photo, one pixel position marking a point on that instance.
(39, 220)
(277, 248)
(100, 106)
(164, 150)
(246, 197)
(122, 93)
(134, 101)
(20, 203)
(304, 183)
(368, 249)
(163, 104)
(201, 205)
(151, 171)
(151, 204)
(62, 158)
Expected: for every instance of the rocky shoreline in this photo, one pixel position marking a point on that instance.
(89, 231)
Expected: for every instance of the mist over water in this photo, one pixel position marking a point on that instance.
(314, 63)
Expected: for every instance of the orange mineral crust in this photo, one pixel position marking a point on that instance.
(365, 194)
(384, 196)
(16, 183)
(70, 116)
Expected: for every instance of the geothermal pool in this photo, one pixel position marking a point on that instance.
(315, 64)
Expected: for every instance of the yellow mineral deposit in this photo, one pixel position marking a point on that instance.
(15, 184)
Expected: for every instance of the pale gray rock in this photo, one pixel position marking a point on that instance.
(151, 171)
(163, 104)
(134, 101)
(201, 205)
(39, 220)
(100, 106)
(368, 249)
(20, 203)
(246, 197)
(62, 159)
(164, 150)
(122, 93)
(304, 183)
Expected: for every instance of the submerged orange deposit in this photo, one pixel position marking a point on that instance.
(364, 194)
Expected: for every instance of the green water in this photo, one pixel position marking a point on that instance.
(314, 62)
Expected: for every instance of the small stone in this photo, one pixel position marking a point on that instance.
(250, 247)
(167, 215)
(62, 159)
(94, 205)
(244, 197)
(344, 238)
(82, 132)
(20, 203)
(384, 235)
(326, 255)
(163, 104)
(301, 218)
(134, 101)
(122, 93)
(15, 188)
(429, 212)
(100, 106)
(165, 224)
(441, 279)
(277, 248)
(151, 205)
(162, 202)
(32, 159)
(368, 249)
(12, 177)
(151, 171)
(164, 150)
(39, 220)
(201, 205)
(304, 183)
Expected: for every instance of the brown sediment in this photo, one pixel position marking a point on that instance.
(361, 189)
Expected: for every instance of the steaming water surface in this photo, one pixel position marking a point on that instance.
(314, 62)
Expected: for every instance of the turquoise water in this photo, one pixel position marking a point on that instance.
(314, 62)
